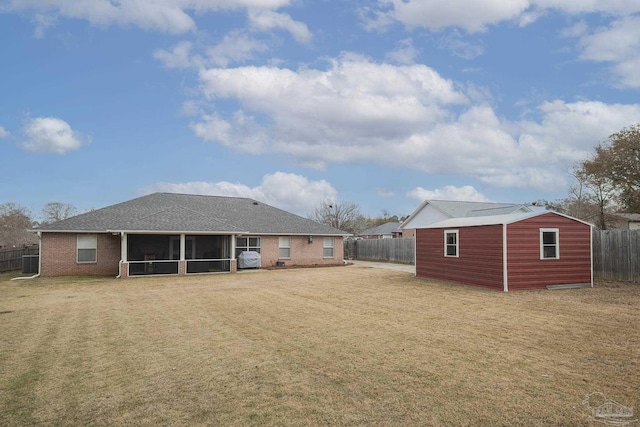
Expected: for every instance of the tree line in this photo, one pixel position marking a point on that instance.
(607, 182)
(346, 216)
(16, 220)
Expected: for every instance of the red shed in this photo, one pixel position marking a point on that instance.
(532, 250)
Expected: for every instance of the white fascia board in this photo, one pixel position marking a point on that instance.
(72, 231)
(190, 232)
(296, 234)
(415, 212)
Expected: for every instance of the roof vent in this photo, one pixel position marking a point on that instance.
(255, 203)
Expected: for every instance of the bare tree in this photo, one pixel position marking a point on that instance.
(344, 216)
(15, 220)
(57, 211)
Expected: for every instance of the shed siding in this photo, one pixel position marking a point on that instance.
(525, 268)
(479, 262)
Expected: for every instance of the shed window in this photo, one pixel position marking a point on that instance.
(87, 245)
(327, 247)
(451, 243)
(549, 243)
(284, 247)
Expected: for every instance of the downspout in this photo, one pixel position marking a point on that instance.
(122, 242)
(505, 278)
(39, 260)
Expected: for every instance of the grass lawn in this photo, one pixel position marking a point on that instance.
(344, 346)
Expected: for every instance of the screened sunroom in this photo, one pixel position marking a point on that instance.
(148, 254)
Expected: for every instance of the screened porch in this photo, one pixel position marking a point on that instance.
(148, 254)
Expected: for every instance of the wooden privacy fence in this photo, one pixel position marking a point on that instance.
(392, 250)
(11, 259)
(616, 255)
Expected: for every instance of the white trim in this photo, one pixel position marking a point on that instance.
(505, 258)
(93, 247)
(223, 233)
(475, 221)
(457, 244)
(557, 244)
(284, 247)
(333, 247)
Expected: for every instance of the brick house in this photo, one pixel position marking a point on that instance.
(165, 233)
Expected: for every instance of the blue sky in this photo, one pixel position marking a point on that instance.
(382, 103)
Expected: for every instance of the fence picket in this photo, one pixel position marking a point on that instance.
(11, 259)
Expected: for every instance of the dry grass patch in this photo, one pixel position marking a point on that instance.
(327, 346)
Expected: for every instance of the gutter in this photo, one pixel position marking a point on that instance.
(39, 261)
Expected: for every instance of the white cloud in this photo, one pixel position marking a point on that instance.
(404, 54)
(266, 20)
(287, 191)
(471, 15)
(448, 192)
(461, 47)
(171, 16)
(345, 112)
(50, 134)
(402, 116)
(233, 48)
(474, 16)
(4, 133)
(619, 44)
(178, 57)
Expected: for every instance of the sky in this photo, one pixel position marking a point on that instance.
(291, 102)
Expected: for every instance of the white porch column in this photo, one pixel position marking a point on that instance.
(123, 247)
(232, 255)
(183, 247)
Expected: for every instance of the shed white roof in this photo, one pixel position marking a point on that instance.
(491, 220)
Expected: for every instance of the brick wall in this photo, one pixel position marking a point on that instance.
(302, 252)
(59, 253)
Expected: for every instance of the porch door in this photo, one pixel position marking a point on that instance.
(189, 249)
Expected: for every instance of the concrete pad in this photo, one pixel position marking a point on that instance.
(407, 268)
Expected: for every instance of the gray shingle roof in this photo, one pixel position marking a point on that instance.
(386, 228)
(192, 213)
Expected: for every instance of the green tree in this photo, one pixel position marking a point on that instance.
(615, 168)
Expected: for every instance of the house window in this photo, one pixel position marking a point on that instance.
(284, 247)
(87, 248)
(451, 243)
(549, 243)
(327, 247)
(247, 244)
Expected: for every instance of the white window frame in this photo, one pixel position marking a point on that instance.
(456, 245)
(556, 245)
(87, 242)
(247, 246)
(284, 243)
(328, 243)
